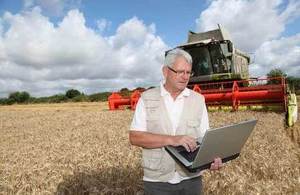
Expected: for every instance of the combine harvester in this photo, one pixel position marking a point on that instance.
(221, 75)
(116, 101)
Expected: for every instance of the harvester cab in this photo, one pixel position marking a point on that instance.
(215, 58)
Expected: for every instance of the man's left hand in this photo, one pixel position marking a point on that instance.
(217, 164)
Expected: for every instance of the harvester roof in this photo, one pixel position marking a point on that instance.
(219, 34)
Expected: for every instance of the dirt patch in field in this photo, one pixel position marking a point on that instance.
(84, 149)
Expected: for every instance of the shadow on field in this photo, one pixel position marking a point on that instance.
(108, 181)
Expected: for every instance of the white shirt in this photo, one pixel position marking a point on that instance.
(174, 110)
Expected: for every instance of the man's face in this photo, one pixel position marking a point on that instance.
(178, 81)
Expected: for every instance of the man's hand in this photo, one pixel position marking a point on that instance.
(151, 140)
(217, 164)
(189, 143)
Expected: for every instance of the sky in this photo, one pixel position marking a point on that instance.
(50, 46)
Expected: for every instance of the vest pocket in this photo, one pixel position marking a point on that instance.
(152, 158)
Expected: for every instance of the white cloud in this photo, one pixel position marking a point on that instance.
(256, 26)
(52, 7)
(28, 3)
(250, 22)
(283, 53)
(43, 58)
(103, 24)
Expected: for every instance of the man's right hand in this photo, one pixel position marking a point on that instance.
(188, 142)
(150, 140)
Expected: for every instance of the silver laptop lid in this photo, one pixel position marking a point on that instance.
(223, 142)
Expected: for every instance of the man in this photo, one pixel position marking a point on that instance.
(170, 115)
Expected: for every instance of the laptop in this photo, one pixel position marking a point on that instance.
(224, 142)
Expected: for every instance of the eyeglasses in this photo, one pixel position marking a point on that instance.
(181, 72)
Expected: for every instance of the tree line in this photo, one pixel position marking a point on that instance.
(73, 95)
(293, 82)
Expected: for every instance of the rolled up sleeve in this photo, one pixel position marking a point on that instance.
(139, 119)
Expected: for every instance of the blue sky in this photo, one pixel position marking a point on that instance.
(47, 47)
(172, 24)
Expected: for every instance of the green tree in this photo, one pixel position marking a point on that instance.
(14, 97)
(125, 92)
(71, 93)
(274, 75)
(58, 98)
(103, 96)
(294, 83)
(4, 101)
(80, 98)
(276, 72)
(19, 97)
(24, 97)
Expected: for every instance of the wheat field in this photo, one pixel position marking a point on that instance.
(82, 148)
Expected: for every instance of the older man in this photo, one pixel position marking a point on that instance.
(172, 115)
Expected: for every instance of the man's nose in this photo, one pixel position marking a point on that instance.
(186, 75)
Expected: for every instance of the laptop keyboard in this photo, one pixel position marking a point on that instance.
(190, 156)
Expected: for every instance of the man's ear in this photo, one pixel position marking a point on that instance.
(165, 71)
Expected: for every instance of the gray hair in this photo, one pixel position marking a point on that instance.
(174, 53)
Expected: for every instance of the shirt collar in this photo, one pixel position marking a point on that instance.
(164, 92)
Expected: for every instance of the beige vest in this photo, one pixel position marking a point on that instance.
(157, 163)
